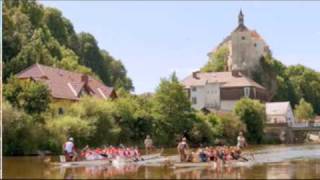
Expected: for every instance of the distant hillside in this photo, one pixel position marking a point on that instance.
(33, 33)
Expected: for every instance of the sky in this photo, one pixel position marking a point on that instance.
(155, 38)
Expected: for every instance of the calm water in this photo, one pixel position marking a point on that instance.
(272, 162)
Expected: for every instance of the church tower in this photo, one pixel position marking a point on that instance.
(241, 18)
(245, 48)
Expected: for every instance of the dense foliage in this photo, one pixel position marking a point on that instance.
(304, 111)
(33, 97)
(252, 113)
(36, 34)
(217, 61)
(166, 115)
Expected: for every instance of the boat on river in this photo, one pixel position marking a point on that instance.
(210, 164)
(101, 162)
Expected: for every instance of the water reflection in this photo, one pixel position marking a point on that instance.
(272, 162)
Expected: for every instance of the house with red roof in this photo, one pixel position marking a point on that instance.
(66, 85)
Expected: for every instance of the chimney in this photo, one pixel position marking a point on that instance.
(236, 73)
(195, 75)
(85, 79)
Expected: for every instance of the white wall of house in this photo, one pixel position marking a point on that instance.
(206, 96)
(197, 93)
(212, 95)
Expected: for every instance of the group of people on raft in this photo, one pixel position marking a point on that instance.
(73, 154)
(218, 153)
(223, 153)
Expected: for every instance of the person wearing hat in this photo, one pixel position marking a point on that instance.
(148, 144)
(182, 149)
(69, 150)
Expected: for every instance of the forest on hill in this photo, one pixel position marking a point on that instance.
(285, 83)
(33, 33)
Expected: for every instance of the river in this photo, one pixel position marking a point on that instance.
(271, 162)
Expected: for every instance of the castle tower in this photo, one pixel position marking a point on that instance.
(245, 48)
(241, 18)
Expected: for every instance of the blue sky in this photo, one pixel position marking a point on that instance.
(155, 38)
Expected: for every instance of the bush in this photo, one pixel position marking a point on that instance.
(252, 113)
(68, 126)
(20, 134)
(33, 97)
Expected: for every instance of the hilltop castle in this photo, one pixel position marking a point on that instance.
(245, 48)
(220, 91)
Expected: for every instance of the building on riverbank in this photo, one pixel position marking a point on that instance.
(67, 85)
(219, 91)
(279, 113)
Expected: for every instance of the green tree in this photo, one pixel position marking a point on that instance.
(32, 97)
(62, 127)
(217, 61)
(304, 111)
(252, 113)
(172, 110)
(70, 61)
(20, 133)
(36, 34)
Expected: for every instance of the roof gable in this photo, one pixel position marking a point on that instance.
(226, 79)
(66, 84)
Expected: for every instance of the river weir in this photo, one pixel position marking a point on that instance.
(270, 161)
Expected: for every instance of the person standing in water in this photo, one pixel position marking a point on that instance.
(182, 149)
(241, 140)
(70, 150)
(148, 144)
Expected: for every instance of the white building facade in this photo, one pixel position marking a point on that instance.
(219, 91)
(279, 113)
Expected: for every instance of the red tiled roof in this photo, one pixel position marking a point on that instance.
(66, 84)
(226, 79)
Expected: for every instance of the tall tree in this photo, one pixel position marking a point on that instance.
(171, 109)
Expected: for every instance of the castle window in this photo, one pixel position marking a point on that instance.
(194, 100)
(243, 38)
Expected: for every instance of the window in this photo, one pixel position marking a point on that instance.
(193, 88)
(243, 38)
(255, 45)
(60, 111)
(247, 91)
(194, 100)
